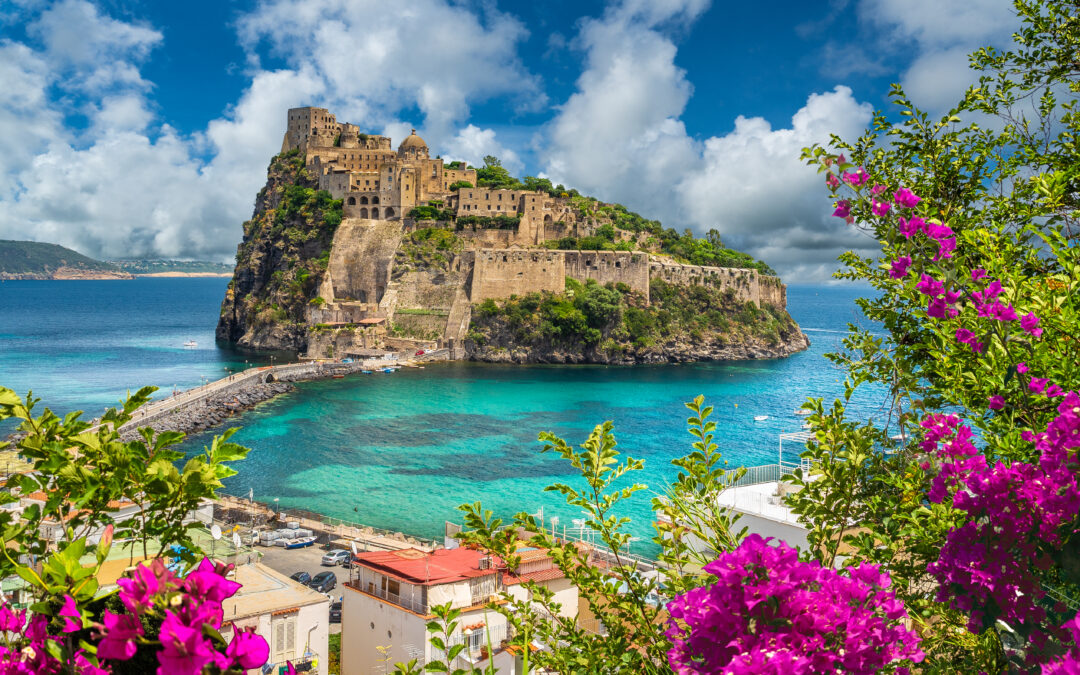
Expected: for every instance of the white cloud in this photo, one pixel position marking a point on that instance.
(472, 144)
(378, 58)
(124, 185)
(620, 138)
(934, 23)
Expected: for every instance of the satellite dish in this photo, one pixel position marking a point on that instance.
(215, 531)
(236, 540)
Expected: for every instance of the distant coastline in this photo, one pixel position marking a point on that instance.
(66, 274)
(187, 274)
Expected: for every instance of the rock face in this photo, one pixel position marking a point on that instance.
(681, 350)
(281, 261)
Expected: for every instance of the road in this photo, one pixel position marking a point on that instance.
(303, 560)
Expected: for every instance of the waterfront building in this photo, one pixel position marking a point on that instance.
(387, 606)
(294, 619)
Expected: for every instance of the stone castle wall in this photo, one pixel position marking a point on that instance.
(744, 282)
(500, 273)
(606, 267)
(773, 291)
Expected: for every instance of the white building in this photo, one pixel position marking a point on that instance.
(387, 606)
(294, 619)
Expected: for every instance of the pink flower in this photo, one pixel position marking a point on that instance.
(84, 667)
(1021, 368)
(1030, 323)
(879, 208)
(993, 289)
(945, 249)
(937, 231)
(997, 402)
(857, 177)
(905, 198)
(184, 650)
(71, 615)
(900, 267)
(930, 286)
(1004, 312)
(1037, 384)
(910, 226)
(843, 209)
(877, 189)
(938, 308)
(1053, 391)
(207, 583)
(840, 159)
(977, 273)
(832, 181)
(248, 649)
(146, 581)
(118, 636)
(965, 336)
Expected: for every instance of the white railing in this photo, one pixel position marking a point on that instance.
(394, 598)
(487, 635)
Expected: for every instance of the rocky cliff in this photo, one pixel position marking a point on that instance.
(281, 261)
(613, 325)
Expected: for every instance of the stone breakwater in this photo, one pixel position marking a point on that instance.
(210, 411)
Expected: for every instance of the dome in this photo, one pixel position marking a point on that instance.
(412, 141)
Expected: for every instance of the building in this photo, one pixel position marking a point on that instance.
(387, 606)
(294, 619)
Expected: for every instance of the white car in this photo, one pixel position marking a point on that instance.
(338, 557)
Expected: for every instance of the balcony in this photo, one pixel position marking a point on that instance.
(394, 598)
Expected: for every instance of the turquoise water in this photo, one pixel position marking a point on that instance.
(402, 450)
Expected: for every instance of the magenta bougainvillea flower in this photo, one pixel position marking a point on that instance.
(1030, 323)
(69, 612)
(768, 612)
(843, 209)
(899, 268)
(905, 198)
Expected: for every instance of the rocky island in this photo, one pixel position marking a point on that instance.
(355, 248)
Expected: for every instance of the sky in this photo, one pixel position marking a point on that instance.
(144, 128)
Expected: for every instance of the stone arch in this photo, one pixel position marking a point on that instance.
(547, 219)
(363, 200)
(389, 213)
(375, 199)
(352, 201)
(375, 213)
(363, 213)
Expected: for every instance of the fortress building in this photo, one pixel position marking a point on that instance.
(376, 182)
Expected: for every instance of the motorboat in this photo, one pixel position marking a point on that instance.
(366, 372)
(760, 418)
(302, 542)
(191, 344)
(803, 412)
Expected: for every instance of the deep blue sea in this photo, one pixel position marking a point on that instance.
(402, 450)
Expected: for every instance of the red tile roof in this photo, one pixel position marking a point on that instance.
(539, 576)
(426, 569)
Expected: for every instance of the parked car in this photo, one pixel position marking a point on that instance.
(335, 612)
(302, 577)
(336, 557)
(323, 581)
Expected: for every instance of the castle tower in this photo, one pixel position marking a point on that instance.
(413, 147)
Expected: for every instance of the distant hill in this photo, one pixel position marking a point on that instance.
(36, 260)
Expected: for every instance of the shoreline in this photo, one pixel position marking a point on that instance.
(185, 275)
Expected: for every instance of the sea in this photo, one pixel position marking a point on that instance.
(403, 450)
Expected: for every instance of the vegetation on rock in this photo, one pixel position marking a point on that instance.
(31, 257)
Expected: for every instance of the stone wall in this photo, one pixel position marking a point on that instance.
(500, 273)
(744, 282)
(606, 267)
(773, 291)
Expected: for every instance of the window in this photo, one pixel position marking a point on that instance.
(283, 632)
(475, 639)
(391, 586)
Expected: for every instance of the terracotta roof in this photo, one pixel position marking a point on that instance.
(539, 576)
(442, 566)
(371, 322)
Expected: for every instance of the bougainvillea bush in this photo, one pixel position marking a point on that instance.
(156, 620)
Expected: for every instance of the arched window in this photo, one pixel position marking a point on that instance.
(375, 213)
(363, 200)
(363, 213)
(352, 201)
(389, 213)
(375, 200)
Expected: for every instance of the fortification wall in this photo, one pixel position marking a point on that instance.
(605, 267)
(500, 273)
(744, 282)
(773, 291)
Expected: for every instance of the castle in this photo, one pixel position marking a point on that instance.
(378, 183)
(365, 285)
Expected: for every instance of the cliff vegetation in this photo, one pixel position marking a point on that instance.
(37, 260)
(591, 323)
(282, 259)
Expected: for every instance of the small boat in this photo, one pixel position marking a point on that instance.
(191, 344)
(805, 425)
(337, 377)
(302, 542)
(802, 412)
(366, 372)
(760, 418)
(388, 370)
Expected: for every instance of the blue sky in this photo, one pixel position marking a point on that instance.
(144, 128)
